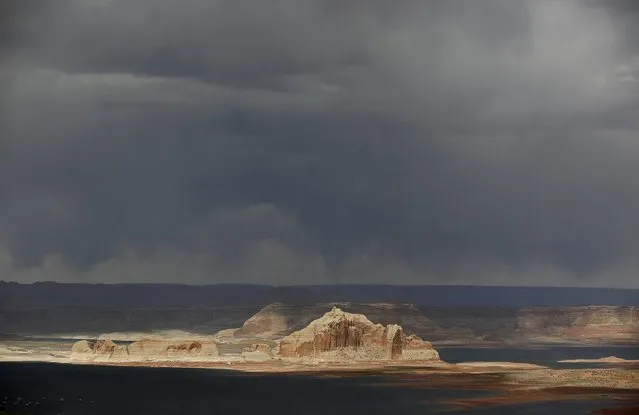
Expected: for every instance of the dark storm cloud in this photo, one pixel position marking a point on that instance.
(313, 141)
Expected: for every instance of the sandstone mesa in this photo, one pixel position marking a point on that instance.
(339, 335)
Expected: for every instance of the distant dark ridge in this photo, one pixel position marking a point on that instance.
(51, 294)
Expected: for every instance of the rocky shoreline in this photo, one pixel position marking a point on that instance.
(337, 336)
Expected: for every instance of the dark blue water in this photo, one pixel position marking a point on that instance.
(82, 390)
(543, 356)
(72, 390)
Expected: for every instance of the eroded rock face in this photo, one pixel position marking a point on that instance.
(97, 349)
(586, 324)
(338, 335)
(415, 348)
(143, 350)
(159, 349)
(257, 352)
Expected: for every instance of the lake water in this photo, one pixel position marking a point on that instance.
(547, 356)
(95, 390)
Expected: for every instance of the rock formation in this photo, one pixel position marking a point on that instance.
(144, 350)
(166, 349)
(98, 349)
(339, 335)
(278, 320)
(584, 324)
(414, 348)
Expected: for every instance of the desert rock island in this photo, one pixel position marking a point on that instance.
(335, 337)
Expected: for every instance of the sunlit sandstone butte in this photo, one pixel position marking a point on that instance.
(337, 336)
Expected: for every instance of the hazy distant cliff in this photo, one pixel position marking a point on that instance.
(587, 324)
(448, 314)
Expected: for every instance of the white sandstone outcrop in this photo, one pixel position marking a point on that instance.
(144, 350)
(98, 350)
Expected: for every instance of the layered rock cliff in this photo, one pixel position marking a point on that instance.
(342, 336)
(608, 324)
(144, 350)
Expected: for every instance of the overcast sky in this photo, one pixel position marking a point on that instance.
(294, 142)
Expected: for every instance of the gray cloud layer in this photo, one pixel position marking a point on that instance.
(492, 142)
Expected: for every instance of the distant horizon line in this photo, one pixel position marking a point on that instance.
(314, 285)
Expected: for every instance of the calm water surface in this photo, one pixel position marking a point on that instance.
(547, 356)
